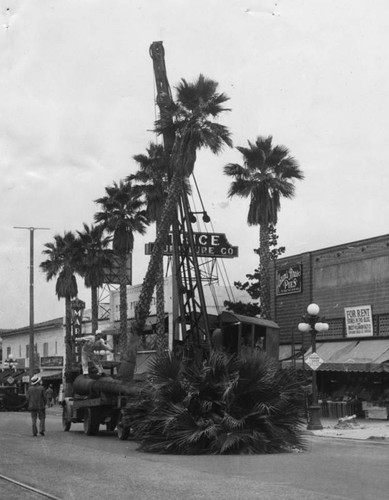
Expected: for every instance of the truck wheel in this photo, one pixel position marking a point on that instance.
(66, 422)
(91, 421)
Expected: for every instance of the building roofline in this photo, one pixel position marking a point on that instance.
(44, 325)
(337, 247)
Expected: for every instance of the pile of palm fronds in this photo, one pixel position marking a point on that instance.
(225, 405)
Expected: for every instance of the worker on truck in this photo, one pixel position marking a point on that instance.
(91, 346)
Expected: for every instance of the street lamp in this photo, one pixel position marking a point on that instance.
(314, 324)
(206, 217)
(10, 363)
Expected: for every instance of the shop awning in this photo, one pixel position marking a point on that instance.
(286, 352)
(352, 356)
(228, 317)
(363, 356)
(50, 374)
(10, 377)
(114, 328)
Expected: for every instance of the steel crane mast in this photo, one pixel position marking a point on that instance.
(186, 273)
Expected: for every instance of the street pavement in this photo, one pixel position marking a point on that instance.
(71, 465)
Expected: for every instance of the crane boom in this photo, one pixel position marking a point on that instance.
(164, 95)
(186, 273)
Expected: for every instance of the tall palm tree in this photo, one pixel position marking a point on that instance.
(267, 175)
(152, 178)
(195, 104)
(62, 263)
(94, 257)
(122, 215)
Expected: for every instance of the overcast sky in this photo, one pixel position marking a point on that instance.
(77, 102)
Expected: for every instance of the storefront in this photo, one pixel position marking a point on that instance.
(349, 282)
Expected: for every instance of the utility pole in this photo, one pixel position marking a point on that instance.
(31, 348)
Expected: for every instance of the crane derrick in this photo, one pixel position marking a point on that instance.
(187, 280)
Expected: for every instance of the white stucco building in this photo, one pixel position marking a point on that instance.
(49, 335)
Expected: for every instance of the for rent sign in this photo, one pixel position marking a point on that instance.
(359, 321)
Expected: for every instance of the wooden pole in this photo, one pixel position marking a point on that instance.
(31, 357)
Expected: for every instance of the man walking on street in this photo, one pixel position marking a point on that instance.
(49, 396)
(36, 399)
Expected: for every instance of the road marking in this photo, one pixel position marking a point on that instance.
(30, 488)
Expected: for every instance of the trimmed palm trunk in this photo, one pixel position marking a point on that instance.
(95, 308)
(160, 307)
(264, 265)
(142, 311)
(123, 299)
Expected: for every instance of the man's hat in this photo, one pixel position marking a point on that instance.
(35, 380)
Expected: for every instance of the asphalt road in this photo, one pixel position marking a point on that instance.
(71, 465)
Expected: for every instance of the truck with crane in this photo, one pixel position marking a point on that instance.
(102, 400)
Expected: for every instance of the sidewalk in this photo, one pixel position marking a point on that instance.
(364, 429)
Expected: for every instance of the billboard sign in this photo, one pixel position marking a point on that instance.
(359, 321)
(111, 273)
(51, 361)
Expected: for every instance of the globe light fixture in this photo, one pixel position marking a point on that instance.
(313, 309)
(10, 362)
(313, 324)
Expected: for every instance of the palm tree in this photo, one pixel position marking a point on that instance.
(122, 215)
(195, 104)
(267, 175)
(62, 263)
(153, 180)
(226, 405)
(94, 257)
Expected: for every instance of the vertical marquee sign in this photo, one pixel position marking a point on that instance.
(289, 280)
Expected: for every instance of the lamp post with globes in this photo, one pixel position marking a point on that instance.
(10, 363)
(313, 324)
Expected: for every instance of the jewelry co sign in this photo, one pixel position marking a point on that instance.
(206, 245)
(289, 280)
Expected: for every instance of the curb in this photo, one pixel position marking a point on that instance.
(371, 439)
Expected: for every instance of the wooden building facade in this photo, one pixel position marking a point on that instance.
(350, 283)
